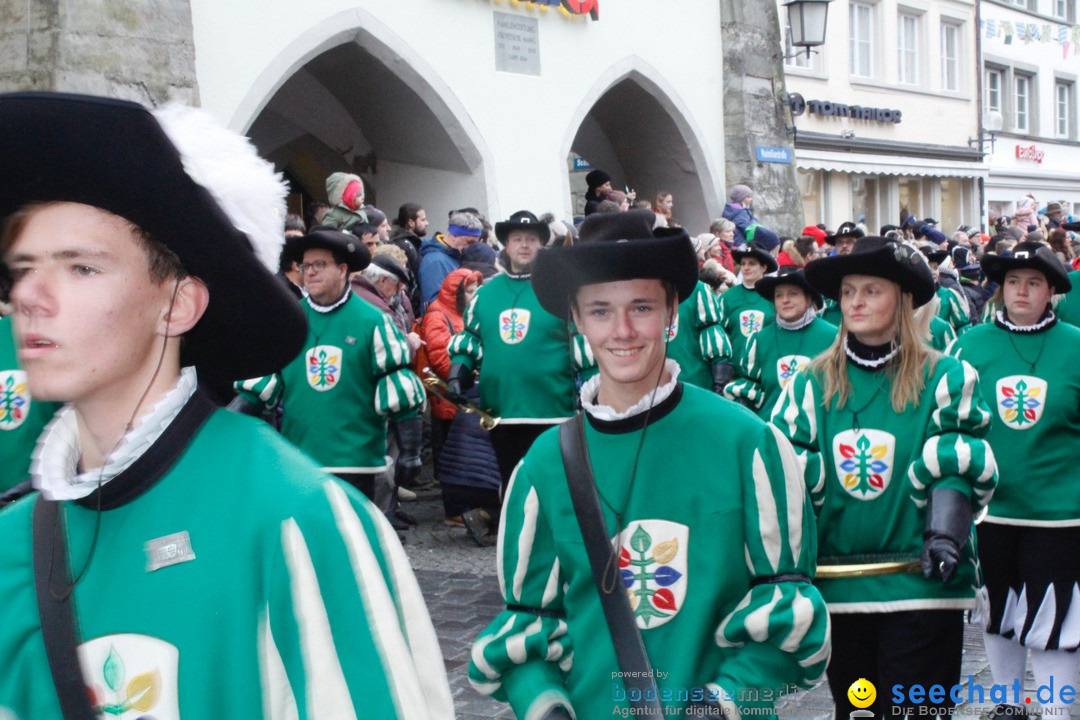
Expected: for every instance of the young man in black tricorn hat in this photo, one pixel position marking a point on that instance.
(715, 563)
(179, 560)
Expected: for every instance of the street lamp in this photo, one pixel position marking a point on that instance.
(806, 23)
(991, 125)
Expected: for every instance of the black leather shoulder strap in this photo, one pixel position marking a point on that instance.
(625, 635)
(56, 608)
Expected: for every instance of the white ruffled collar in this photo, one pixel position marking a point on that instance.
(807, 318)
(591, 389)
(55, 466)
(332, 306)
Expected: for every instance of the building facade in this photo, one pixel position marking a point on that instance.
(884, 115)
(1031, 66)
(495, 104)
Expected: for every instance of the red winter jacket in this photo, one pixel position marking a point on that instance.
(441, 321)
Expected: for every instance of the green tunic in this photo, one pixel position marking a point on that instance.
(695, 537)
(743, 312)
(1068, 308)
(1032, 381)
(696, 340)
(870, 477)
(832, 313)
(337, 394)
(954, 308)
(772, 358)
(297, 601)
(21, 416)
(523, 352)
(941, 334)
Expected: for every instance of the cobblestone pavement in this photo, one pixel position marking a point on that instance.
(462, 592)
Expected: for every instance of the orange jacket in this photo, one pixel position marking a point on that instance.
(441, 321)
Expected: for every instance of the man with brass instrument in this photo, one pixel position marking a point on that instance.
(522, 351)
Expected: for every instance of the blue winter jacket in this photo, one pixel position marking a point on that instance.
(437, 260)
(742, 217)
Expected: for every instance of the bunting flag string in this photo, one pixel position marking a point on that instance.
(1007, 32)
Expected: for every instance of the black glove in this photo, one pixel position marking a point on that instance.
(460, 379)
(722, 373)
(240, 405)
(948, 525)
(557, 713)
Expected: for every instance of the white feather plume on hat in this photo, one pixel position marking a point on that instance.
(246, 186)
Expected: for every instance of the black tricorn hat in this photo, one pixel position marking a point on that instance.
(759, 253)
(933, 254)
(613, 247)
(522, 220)
(1030, 256)
(117, 156)
(881, 257)
(788, 275)
(846, 229)
(346, 247)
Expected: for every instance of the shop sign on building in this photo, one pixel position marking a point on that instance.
(1031, 152)
(517, 44)
(828, 108)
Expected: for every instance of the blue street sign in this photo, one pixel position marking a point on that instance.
(581, 164)
(773, 154)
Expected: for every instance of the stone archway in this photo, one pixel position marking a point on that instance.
(349, 95)
(633, 126)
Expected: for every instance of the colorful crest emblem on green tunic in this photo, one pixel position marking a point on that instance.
(323, 367)
(1021, 400)
(14, 399)
(514, 325)
(652, 560)
(750, 322)
(787, 366)
(864, 462)
(129, 677)
(673, 328)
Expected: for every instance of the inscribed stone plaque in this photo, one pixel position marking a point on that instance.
(517, 44)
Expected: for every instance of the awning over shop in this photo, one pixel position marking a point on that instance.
(874, 164)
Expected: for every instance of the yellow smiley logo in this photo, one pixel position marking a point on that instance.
(862, 693)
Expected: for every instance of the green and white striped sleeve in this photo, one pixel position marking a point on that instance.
(265, 391)
(466, 347)
(779, 633)
(344, 632)
(747, 383)
(956, 454)
(583, 359)
(523, 655)
(954, 308)
(796, 414)
(712, 340)
(399, 393)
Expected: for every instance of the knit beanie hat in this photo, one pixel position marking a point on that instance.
(740, 193)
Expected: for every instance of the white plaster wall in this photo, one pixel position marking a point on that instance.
(930, 115)
(522, 125)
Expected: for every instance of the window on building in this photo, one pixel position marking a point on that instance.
(909, 49)
(993, 90)
(1063, 108)
(793, 56)
(1065, 10)
(861, 17)
(950, 57)
(1022, 104)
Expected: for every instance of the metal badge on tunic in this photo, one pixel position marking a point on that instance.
(168, 550)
